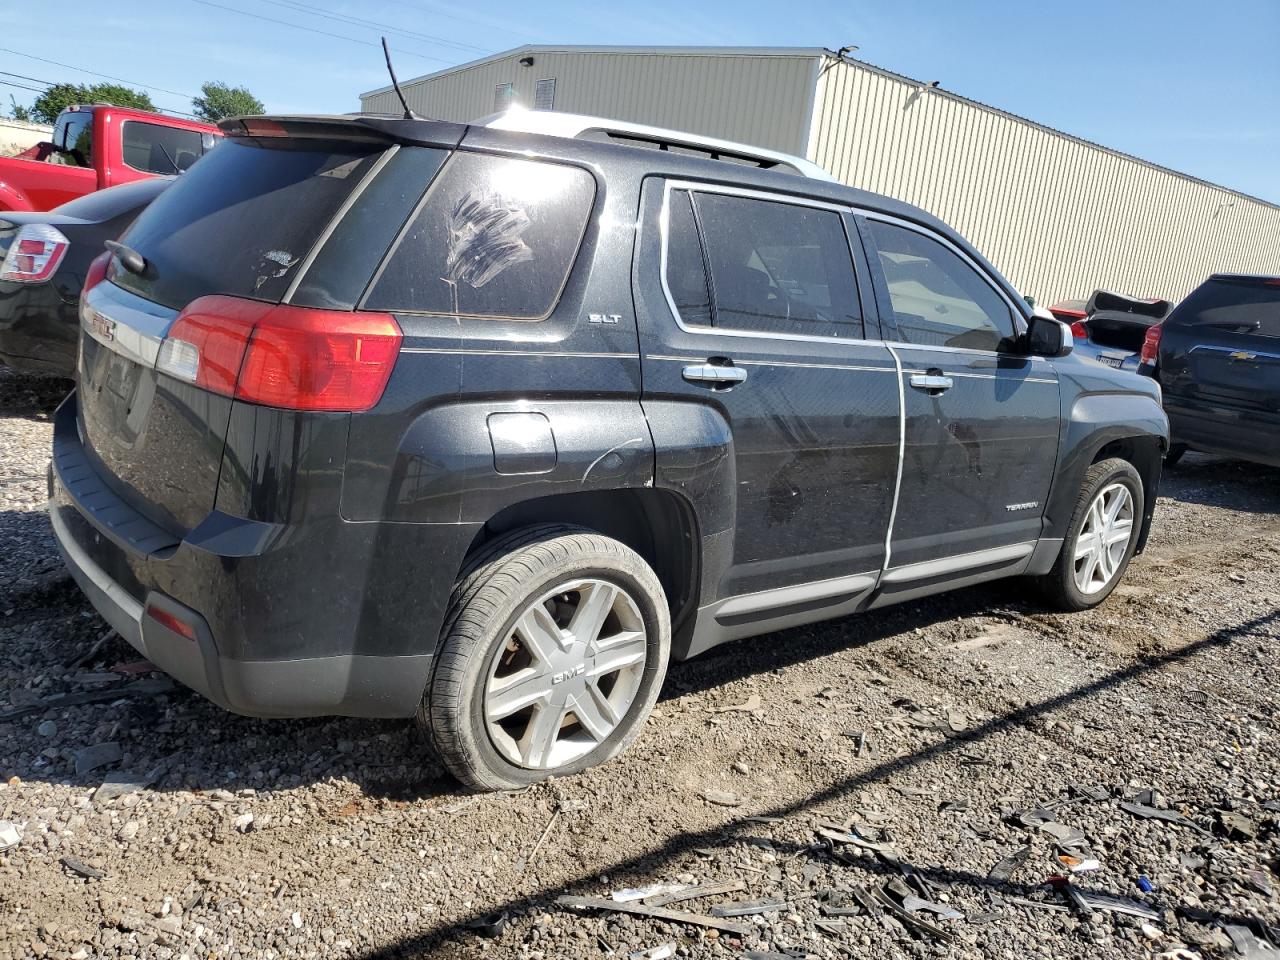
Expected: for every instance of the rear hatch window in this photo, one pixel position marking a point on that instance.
(1234, 307)
(242, 220)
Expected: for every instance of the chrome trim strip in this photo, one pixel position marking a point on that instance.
(518, 353)
(781, 363)
(985, 376)
(137, 326)
(336, 219)
(902, 455)
(960, 562)
(782, 597)
(1229, 351)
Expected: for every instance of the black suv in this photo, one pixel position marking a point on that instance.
(1217, 356)
(380, 417)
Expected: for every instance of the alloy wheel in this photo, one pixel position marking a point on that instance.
(566, 674)
(1104, 538)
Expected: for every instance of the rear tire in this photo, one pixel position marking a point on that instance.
(1092, 560)
(552, 655)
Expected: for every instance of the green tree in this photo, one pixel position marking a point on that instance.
(221, 100)
(62, 95)
(18, 111)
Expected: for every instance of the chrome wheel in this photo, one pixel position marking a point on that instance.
(1104, 538)
(566, 675)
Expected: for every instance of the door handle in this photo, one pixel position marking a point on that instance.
(934, 383)
(713, 374)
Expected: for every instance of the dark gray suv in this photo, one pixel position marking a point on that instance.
(385, 417)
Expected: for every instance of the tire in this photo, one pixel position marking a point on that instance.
(1174, 454)
(1061, 586)
(510, 633)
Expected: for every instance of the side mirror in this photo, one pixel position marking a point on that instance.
(1048, 336)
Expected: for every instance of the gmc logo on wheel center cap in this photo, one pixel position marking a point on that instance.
(577, 671)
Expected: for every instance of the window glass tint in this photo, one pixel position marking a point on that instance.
(938, 299)
(1244, 307)
(778, 267)
(495, 237)
(686, 270)
(73, 138)
(242, 219)
(155, 148)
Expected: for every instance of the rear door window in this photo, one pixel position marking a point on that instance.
(156, 148)
(73, 138)
(242, 220)
(938, 299)
(772, 267)
(1227, 306)
(494, 237)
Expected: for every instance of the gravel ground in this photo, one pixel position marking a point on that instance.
(991, 728)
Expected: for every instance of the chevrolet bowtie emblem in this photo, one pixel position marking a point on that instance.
(1244, 355)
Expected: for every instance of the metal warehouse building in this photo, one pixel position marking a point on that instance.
(1059, 215)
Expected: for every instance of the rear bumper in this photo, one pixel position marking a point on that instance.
(126, 565)
(1252, 435)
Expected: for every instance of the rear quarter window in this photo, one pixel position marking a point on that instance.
(494, 237)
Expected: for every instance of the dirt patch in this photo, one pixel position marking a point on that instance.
(928, 730)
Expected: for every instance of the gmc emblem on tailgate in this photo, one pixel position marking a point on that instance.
(104, 328)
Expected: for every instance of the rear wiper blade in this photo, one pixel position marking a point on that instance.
(129, 258)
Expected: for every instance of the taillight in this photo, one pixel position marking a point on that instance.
(97, 271)
(171, 621)
(283, 356)
(35, 254)
(1079, 330)
(1151, 344)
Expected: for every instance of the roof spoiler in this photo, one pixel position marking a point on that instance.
(357, 127)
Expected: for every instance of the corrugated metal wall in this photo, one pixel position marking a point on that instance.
(761, 100)
(1058, 216)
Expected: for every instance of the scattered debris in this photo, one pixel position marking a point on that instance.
(150, 687)
(953, 806)
(81, 659)
(119, 784)
(490, 925)
(47, 729)
(722, 798)
(1147, 812)
(1235, 826)
(10, 835)
(630, 894)
(1259, 881)
(661, 952)
(752, 704)
(748, 908)
(1003, 871)
(83, 869)
(1113, 904)
(694, 893)
(542, 838)
(91, 758)
(1145, 885)
(655, 913)
(243, 823)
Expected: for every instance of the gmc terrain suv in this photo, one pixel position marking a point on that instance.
(384, 417)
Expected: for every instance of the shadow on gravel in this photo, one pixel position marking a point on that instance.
(29, 397)
(434, 941)
(1219, 482)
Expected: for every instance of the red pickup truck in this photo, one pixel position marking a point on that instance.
(100, 146)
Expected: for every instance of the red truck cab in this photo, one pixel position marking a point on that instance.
(95, 147)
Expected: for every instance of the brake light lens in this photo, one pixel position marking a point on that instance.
(1151, 344)
(97, 271)
(284, 356)
(34, 255)
(1079, 331)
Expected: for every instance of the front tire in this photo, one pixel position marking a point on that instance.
(1102, 536)
(554, 649)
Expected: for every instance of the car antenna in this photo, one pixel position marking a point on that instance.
(408, 114)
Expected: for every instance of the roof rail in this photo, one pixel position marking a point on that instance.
(578, 127)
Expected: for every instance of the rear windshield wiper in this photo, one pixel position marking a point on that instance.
(168, 156)
(129, 258)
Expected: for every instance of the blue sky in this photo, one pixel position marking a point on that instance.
(1192, 86)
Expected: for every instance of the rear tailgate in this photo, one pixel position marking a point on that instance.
(240, 223)
(1222, 344)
